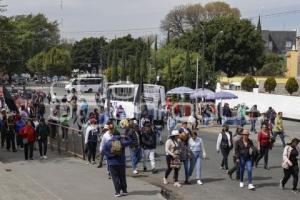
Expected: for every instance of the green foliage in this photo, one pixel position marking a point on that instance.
(115, 63)
(239, 46)
(248, 83)
(272, 69)
(89, 51)
(291, 86)
(56, 61)
(270, 84)
(35, 34)
(187, 70)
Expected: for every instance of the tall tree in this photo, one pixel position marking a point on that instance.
(115, 64)
(259, 24)
(35, 34)
(138, 67)
(186, 17)
(89, 52)
(187, 70)
(123, 72)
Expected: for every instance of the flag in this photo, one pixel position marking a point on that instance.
(9, 101)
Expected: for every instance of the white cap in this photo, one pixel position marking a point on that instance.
(175, 133)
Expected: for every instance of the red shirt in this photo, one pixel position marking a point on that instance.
(29, 133)
(264, 138)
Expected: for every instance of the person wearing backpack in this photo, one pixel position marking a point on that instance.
(43, 132)
(148, 145)
(91, 139)
(172, 158)
(224, 144)
(114, 150)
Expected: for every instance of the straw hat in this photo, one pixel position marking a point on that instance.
(175, 133)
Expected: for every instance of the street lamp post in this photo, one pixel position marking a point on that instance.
(203, 56)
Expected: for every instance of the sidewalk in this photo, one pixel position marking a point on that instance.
(62, 178)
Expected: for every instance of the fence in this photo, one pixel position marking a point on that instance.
(66, 140)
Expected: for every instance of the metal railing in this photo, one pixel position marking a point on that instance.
(66, 140)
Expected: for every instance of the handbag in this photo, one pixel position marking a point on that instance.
(175, 163)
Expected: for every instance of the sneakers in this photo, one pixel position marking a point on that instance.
(125, 193)
(165, 181)
(145, 169)
(281, 185)
(251, 187)
(100, 165)
(93, 163)
(45, 157)
(199, 182)
(135, 171)
(118, 195)
(241, 184)
(177, 184)
(42, 157)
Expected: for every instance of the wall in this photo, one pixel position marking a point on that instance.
(224, 79)
(292, 62)
(289, 105)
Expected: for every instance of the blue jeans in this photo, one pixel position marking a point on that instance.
(196, 162)
(135, 154)
(281, 135)
(253, 123)
(159, 133)
(246, 162)
(186, 169)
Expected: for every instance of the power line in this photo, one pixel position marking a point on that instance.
(276, 14)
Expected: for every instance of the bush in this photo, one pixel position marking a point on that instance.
(270, 84)
(291, 86)
(272, 69)
(248, 83)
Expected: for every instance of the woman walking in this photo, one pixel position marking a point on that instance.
(28, 134)
(184, 152)
(263, 145)
(43, 131)
(91, 139)
(172, 158)
(198, 153)
(244, 151)
(224, 144)
(290, 164)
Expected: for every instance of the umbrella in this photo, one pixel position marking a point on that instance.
(181, 90)
(222, 95)
(201, 93)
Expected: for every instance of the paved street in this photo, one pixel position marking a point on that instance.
(61, 178)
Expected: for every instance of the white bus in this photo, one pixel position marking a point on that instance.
(87, 83)
(127, 96)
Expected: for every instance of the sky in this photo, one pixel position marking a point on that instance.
(110, 18)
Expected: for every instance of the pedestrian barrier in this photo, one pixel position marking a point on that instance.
(60, 84)
(66, 140)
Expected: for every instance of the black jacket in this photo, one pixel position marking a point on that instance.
(134, 136)
(148, 140)
(249, 151)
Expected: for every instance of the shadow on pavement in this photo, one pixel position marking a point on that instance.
(144, 193)
(261, 185)
(259, 178)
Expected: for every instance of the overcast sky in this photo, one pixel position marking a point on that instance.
(82, 17)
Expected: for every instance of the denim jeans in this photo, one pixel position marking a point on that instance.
(135, 154)
(253, 123)
(246, 162)
(186, 169)
(196, 162)
(281, 135)
(149, 153)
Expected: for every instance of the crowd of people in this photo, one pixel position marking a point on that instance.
(184, 148)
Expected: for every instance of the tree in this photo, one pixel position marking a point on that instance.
(35, 34)
(182, 18)
(272, 69)
(248, 83)
(239, 46)
(56, 61)
(270, 84)
(291, 86)
(123, 71)
(187, 70)
(115, 63)
(89, 52)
